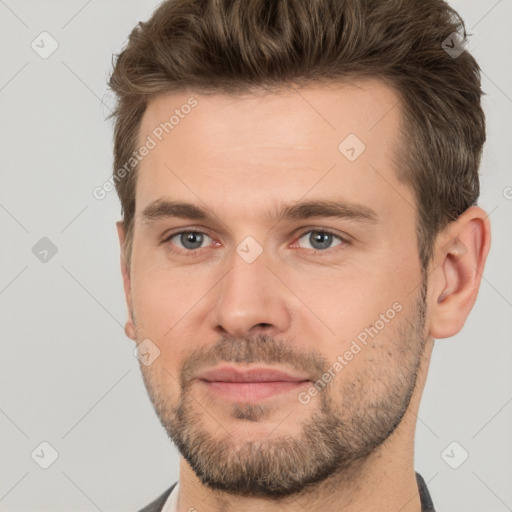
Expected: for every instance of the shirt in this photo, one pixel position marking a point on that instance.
(168, 501)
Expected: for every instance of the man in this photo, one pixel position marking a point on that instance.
(298, 182)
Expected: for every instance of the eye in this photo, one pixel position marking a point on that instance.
(188, 241)
(321, 239)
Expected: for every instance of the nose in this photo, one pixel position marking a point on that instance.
(252, 299)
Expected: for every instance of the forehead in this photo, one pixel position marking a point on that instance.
(267, 146)
(352, 107)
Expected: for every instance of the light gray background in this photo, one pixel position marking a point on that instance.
(68, 374)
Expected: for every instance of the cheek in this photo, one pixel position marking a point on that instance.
(154, 303)
(169, 305)
(155, 286)
(363, 306)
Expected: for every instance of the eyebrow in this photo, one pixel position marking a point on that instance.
(340, 209)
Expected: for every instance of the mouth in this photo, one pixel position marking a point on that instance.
(250, 386)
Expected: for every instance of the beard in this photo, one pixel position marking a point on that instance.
(351, 419)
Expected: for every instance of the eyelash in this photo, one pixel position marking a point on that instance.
(196, 252)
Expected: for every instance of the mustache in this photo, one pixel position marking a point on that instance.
(258, 349)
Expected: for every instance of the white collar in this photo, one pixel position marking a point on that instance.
(171, 505)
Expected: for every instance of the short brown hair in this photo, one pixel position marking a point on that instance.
(235, 46)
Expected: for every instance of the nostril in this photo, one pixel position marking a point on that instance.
(263, 325)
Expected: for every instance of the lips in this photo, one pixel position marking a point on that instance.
(230, 374)
(252, 385)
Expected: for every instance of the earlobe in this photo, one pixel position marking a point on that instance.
(460, 258)
(129, 327)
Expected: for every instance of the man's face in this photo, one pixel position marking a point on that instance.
(332, 300)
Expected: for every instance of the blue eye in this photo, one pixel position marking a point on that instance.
(190, 240)
(321, 239)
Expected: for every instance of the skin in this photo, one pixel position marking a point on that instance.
(240, 157)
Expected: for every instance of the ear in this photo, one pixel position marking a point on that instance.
(459, 260)
(129, 327)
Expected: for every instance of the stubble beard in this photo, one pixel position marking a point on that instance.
(337, 438)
